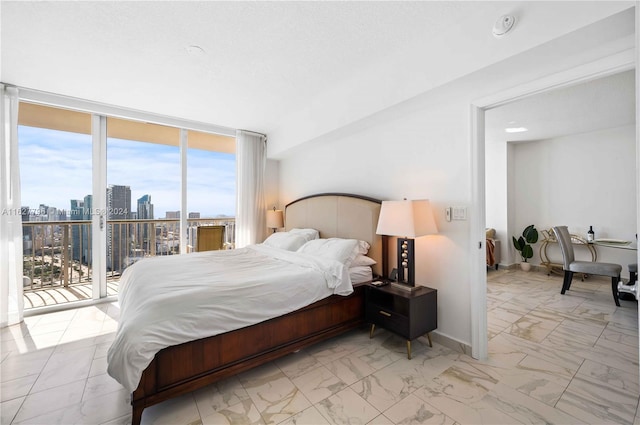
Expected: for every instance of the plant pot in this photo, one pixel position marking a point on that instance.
(525, 266)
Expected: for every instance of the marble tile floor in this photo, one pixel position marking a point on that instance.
(554, 359)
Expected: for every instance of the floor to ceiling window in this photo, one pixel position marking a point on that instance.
(56, 170)
(149, 209)
(211, 184)
(143, 192)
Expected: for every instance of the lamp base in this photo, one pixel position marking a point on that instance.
(404, 286)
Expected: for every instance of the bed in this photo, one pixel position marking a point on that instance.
(187, 366)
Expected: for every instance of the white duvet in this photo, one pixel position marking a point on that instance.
(166, 301)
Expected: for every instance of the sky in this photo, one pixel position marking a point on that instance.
(55, 167)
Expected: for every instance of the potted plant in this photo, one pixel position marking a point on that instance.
(523, 245)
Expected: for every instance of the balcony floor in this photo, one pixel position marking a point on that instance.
(58, 295)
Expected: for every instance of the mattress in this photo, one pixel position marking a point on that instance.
(167, 301)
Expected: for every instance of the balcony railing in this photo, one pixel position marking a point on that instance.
(58, 254)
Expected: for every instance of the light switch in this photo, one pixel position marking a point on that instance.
(459, 213)
(447, 213)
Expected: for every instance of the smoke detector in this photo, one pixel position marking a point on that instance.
(503, 25)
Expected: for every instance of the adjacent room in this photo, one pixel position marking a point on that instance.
(569, 145)
(276, 212)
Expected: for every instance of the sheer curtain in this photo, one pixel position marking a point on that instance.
(11, 302)
(251, 160)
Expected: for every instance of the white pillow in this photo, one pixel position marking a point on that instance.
(285, 240)
(342, 250)
(363, 260)
(363, 247)
(308, 234)
(360, 274)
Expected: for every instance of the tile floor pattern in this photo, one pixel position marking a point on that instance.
(569, 359)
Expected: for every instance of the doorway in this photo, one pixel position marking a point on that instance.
(593, 71)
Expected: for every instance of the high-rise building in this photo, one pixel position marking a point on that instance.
(77, 213)
(118, 202)
(118, 208)
(52, 213)
(145, 212)
(87, 215)
(88, 205)
(194, 215)
(145, 208)
(77, 209)
(42, 214)
(172, 214)
(24, 212)
(27, 231)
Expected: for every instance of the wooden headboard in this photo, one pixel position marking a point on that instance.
(339, 215)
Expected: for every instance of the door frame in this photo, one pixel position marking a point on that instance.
(609, 65)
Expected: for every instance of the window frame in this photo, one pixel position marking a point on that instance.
(99, 114)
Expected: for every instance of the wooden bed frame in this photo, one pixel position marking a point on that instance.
(186, 367)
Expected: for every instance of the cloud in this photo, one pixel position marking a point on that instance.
(56, 166)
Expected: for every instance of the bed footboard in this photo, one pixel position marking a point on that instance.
(184, 368)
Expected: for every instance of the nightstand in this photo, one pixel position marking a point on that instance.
(409, 314)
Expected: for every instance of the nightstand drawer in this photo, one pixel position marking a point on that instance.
(389, 302)
(387, 319)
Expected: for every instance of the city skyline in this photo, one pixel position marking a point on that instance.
(56, 167)
(77, 210)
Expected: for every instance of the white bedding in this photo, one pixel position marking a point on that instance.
(166, 301)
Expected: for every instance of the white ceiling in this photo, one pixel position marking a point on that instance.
(596, 105)
(260, 63)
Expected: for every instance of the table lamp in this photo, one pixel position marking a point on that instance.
(275, 219)
(406, 220)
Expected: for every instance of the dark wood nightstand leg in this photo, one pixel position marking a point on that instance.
(429, 338)
(409, 349)
(373, 328)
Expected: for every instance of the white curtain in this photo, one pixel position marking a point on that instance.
(251, 160)
(11, 302)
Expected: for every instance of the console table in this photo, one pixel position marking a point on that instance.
(557, 266)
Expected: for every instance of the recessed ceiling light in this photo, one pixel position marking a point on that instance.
(516, 129)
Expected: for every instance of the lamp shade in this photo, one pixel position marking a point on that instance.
(409, 219)
(275, 219)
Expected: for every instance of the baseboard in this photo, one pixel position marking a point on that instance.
(516, 266)
(451, 343)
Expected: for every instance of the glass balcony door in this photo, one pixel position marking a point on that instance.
(143, 193)
(56, 191)
(100, 193)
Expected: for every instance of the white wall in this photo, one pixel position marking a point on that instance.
(578, 181)
(271, 182)
(421, 149)
(496, 195)
(420, 155)
(365, 93)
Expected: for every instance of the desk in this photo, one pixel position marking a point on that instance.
(619, 245)
(556, 266)
(631, 287)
